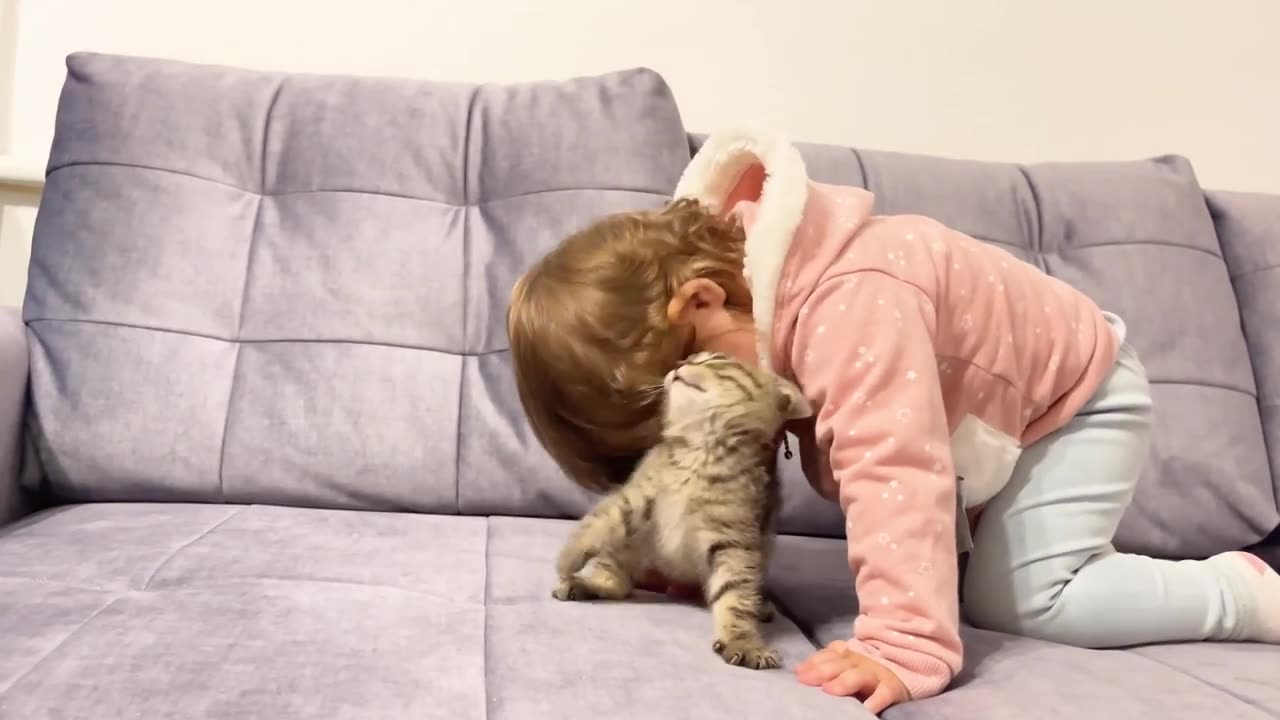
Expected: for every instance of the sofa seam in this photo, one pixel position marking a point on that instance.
(1142, 242)
(1065, 251)
(484, 622)
(235, 362)
(300, 341)
(1252, 271)
(1037, 237)
(1218, 216)
(862, 169)
(375, 193)
(65, 639)
(205, 585)
(1200, 680)
(1257, 396)
(146, 586)
(244, 289)
(465, 287)
(1204, 384)
(58, 584)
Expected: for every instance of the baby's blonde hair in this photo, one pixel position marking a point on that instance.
(590, 338)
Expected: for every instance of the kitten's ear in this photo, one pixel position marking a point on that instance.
(791, 402)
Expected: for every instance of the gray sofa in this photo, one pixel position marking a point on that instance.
(261, 454)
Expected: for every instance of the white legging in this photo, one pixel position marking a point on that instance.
(1042, 563)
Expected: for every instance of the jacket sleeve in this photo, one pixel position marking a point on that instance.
(864, 354)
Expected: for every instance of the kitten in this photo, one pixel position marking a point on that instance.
(701, 506)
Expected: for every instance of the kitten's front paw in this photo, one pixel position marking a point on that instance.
(747, 653)
(570, 589)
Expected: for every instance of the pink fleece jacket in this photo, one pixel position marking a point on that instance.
(927, 356)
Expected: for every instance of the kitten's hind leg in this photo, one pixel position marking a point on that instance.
(597, 561)
(603, 579)
(735, 594)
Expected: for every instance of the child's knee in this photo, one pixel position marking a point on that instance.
(990, 610)
(1038, 620)
(1011, 603)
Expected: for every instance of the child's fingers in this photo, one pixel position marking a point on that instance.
(854, 681)
(821, 668)
(881, 698)
(832, 650)
(807, 674)
(814, 672)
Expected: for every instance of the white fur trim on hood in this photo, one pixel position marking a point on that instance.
(710, 178)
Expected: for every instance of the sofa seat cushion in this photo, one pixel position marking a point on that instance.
(1017, 678)
(157, 611)
(160, 611)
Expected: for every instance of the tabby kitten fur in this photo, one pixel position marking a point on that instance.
(701, 507)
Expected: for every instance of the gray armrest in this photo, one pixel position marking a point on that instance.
(13, 396)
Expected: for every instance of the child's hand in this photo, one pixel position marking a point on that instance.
(840, 671)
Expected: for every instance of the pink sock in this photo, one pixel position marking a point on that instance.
(1263, 584)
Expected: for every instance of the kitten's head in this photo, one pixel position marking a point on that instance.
(713, 393)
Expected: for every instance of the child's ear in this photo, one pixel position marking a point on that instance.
(791, 402)
(693, 299)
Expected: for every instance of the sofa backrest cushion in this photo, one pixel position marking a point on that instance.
(1139, 239)
(1249, 227)
(258, 287)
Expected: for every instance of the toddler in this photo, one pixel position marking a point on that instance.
(948, 380)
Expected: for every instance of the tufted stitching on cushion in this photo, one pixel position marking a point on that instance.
(1043, 649)
(1253, 271)
(434, 201)
(1035, 239)
(1198, 679)
(5, 690)
(235, 363)
(478, 202)
(1139, 242)
(268, 580)
(466, 267)
(275, 341)
(485, 679)
(59, 583)
(244, 287)
(1203, 384)
(862, 169)
(178, 550)
(1225, 227)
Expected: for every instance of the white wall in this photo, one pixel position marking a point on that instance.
(987, 79)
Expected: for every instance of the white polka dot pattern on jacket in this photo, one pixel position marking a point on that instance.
(915, 587)
(925, 333)
(897, 345)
